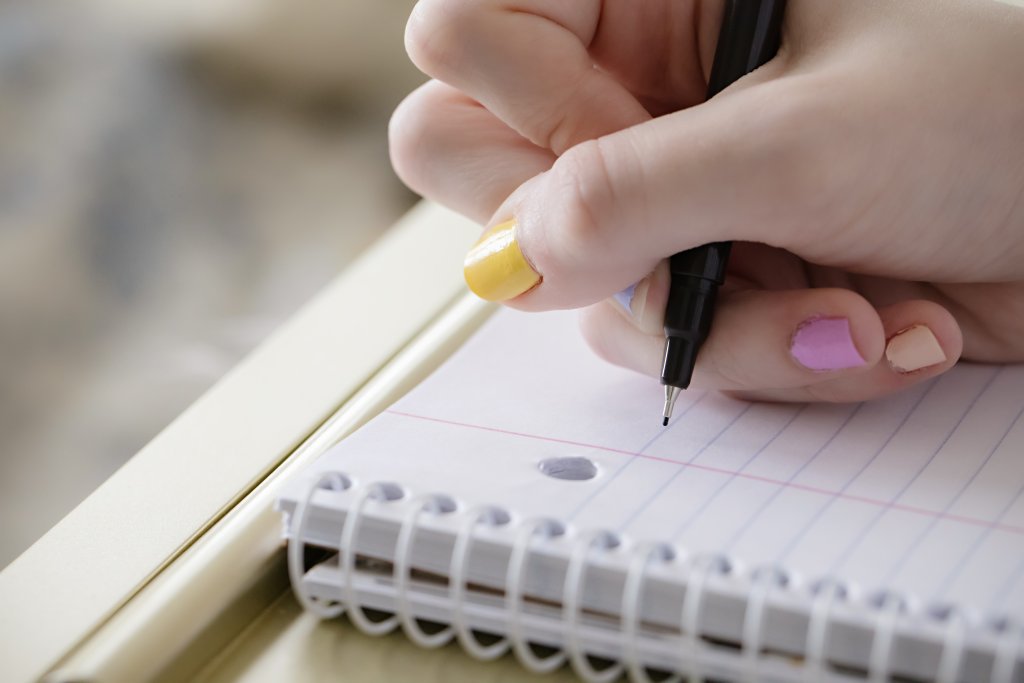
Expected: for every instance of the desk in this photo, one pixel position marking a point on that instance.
(174, 568)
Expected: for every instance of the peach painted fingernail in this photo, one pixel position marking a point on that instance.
(913, 349)
(495, 268)
(823, 344)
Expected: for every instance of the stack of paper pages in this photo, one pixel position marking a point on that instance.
(527, 498)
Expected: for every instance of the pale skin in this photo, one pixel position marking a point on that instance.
(873, 171)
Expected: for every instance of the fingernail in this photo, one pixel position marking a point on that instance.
(625, 298)
(633, 299)
(913, 349)
(823, 344)
(495, 268)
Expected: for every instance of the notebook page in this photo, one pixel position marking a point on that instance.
(922, 492)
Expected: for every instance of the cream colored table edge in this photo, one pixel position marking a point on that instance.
(166, 556)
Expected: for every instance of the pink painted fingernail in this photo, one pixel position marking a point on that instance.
(823, 344)
(914, 348)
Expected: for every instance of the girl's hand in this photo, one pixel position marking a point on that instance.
(872, 175)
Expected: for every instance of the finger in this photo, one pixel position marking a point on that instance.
(527, 62)
(759, 340)
(609, 210)
(923, 340)
(448, 147)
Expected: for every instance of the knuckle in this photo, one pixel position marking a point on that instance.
(434, 34)
(549, 127)
(409, 132)
(558, 124)
(585, 193)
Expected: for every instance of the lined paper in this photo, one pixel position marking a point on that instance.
(921, 492)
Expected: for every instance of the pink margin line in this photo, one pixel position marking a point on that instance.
(973, 521)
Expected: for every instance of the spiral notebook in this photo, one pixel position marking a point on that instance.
(526, 498)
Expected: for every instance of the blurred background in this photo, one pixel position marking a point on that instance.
(176, 178)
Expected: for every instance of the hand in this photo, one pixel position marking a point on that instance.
(872, 175)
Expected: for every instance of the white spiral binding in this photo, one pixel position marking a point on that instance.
(458, 570)
(572, 597)
(514, 586)
(693, 605)
(890, 607)
(632, 599)
(766, 579)
(437, 505)
(356, 614)
(1007, 651)
(826, 593)
(954, 642)
(296, 571)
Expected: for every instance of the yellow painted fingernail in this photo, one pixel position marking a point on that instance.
(495, 268)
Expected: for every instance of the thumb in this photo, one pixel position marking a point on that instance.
(735, 168)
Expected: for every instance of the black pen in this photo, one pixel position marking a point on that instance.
(749, 37)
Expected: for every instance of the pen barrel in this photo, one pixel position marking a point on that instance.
(707, 262)
(696, 276)
(749, 37)
(693, 307)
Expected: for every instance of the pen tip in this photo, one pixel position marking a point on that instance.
(670, 401)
